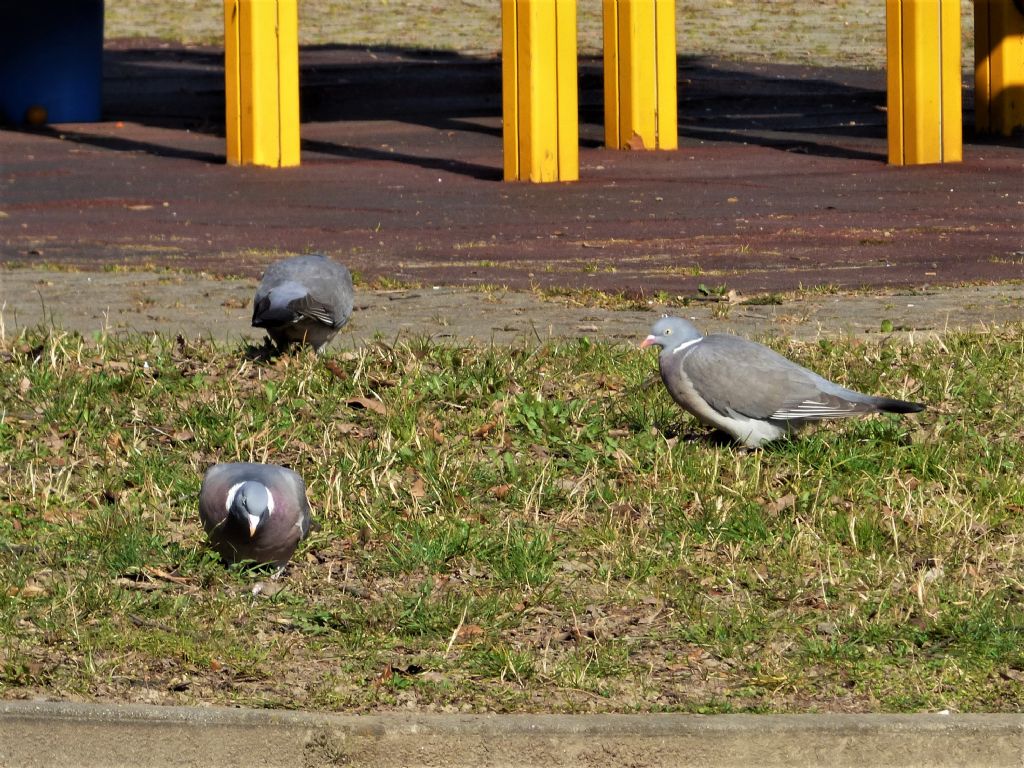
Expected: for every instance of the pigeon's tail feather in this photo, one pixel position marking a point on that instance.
(888, 405)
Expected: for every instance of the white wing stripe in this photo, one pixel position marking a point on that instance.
(812, 409)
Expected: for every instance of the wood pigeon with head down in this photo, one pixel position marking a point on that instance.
(303, 300)
(255, 512)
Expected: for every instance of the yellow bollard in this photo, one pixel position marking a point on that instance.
(539, 90)
(998, 66)
(261, 82)
(640, 74)
(923, 77)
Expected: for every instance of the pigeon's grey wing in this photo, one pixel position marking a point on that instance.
(329, 296)
(275, 274)
(305, 521)
(345, 296)
(312, 308)
(290, 522)
(292, 487)
(330, 285)
(213, 494)
(736, 376)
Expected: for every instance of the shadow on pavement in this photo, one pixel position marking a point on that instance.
(785, 107)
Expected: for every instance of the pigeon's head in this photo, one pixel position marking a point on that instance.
(251, 504)
(670, 332)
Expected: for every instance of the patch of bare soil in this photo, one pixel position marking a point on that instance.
(196, 305)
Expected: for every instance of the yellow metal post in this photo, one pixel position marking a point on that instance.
(640, 74)
(261, 82)
(998, 66)
(539, 90)
(923, 77)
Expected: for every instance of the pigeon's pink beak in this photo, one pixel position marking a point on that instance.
(652, 339)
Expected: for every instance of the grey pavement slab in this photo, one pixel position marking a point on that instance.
(93, 735)
(197, 305)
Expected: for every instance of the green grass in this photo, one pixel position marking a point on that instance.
(522, 529)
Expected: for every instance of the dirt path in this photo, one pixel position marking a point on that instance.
(198, 305)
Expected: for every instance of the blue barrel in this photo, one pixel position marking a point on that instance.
(51, 57)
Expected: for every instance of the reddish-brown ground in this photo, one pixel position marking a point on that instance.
(780, 181)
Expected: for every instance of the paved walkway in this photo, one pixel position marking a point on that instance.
(198, 305)
(780, 182)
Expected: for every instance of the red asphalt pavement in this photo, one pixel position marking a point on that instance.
(780, 182)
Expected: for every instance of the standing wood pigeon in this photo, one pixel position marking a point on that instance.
(747, 390)
(254, 511)
(305, 299)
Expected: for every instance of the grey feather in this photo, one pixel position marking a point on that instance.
(748, 390)
(304, 299)
(255, 512)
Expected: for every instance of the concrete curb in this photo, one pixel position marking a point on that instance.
(92, 735)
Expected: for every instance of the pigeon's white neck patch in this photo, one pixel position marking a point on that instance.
(687, 344)
(233, 491)
(231, 496)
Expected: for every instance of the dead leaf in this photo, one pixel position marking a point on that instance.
(54, 442)
(566, 484)
(435, 433)
(385, 675)
(367, 403)
(484, 429)
(29, 590)
(417, 490)
(636, 141)
(469, 631)
(24, 385)
(267, 588)
(781, 503)
(364, 433)
(336, 370)
(500, 491)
